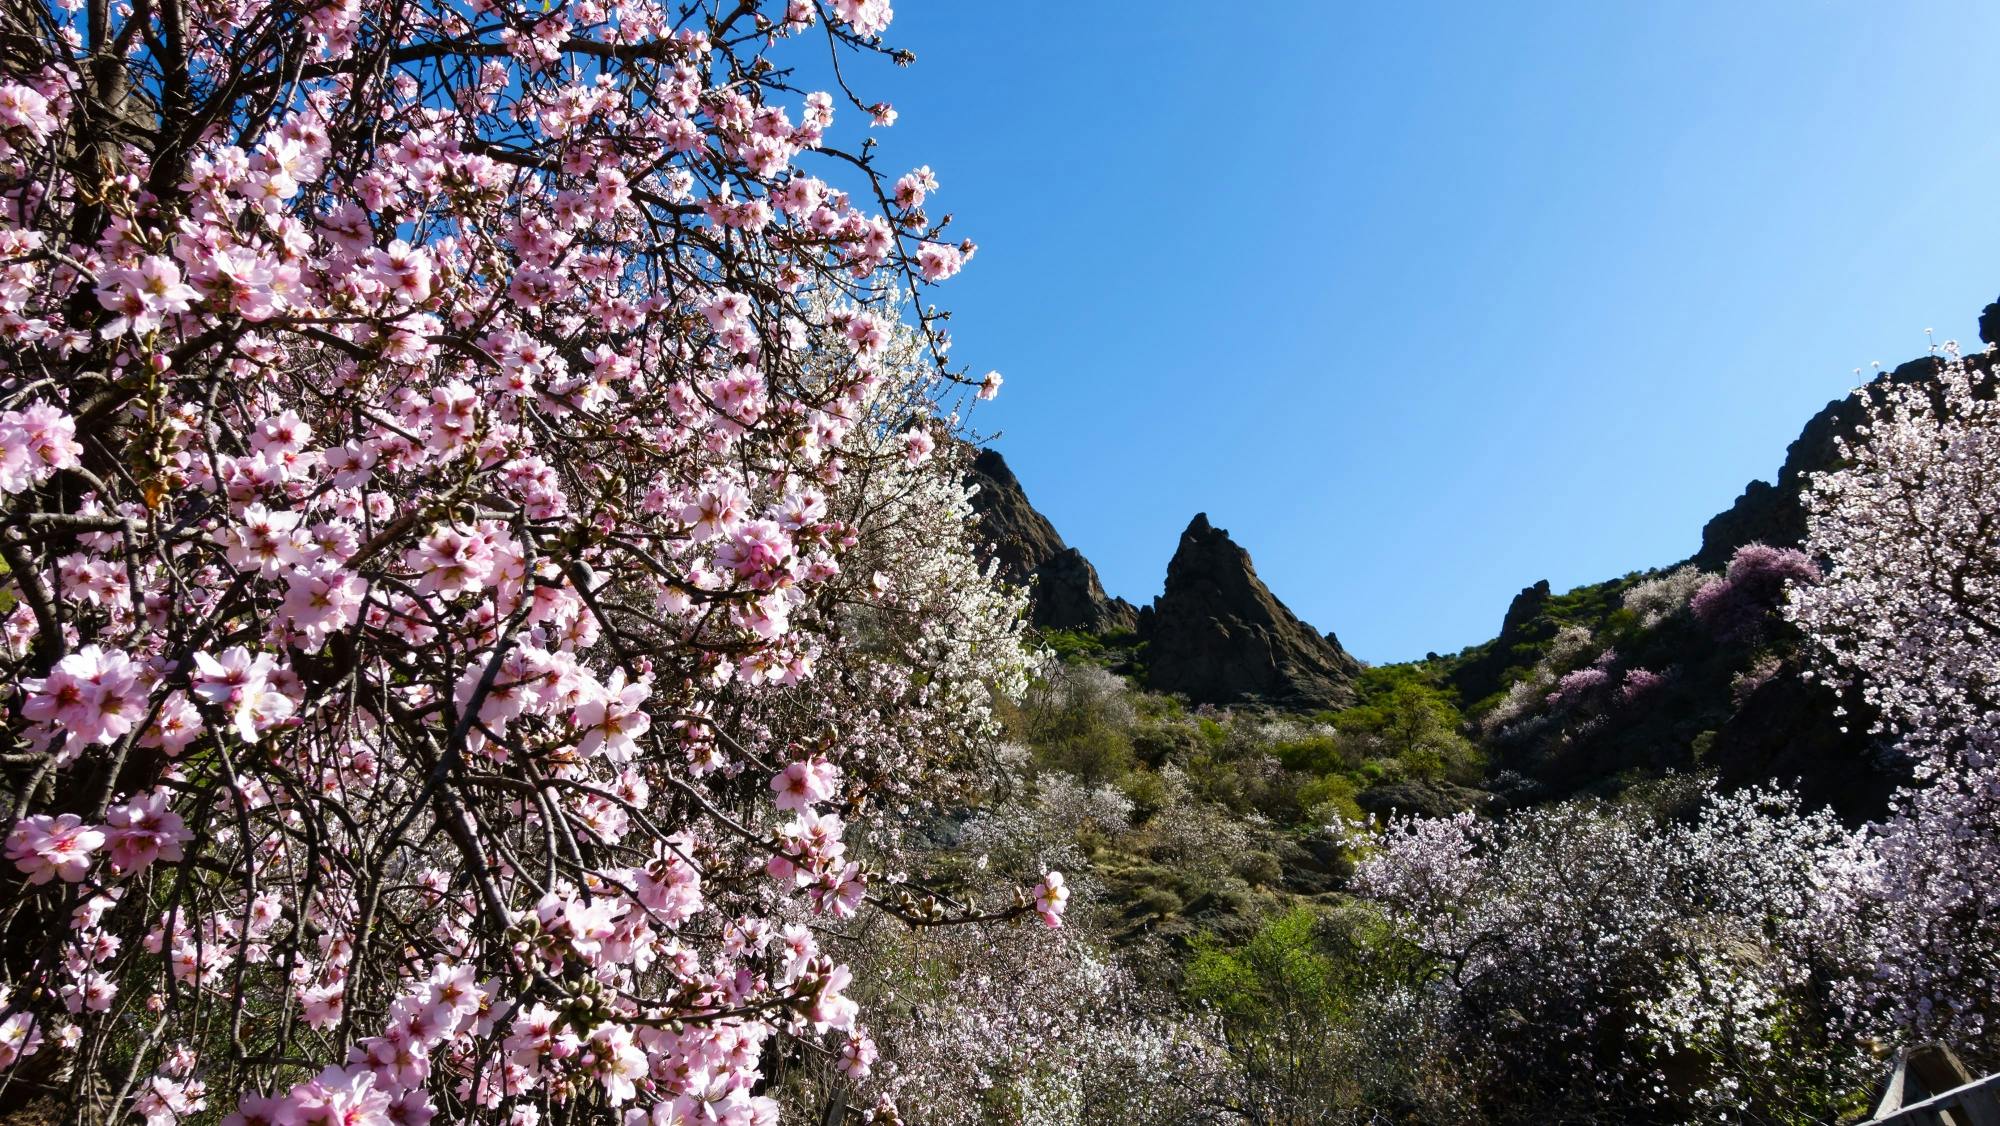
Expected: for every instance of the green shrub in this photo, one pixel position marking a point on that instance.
(1156, 901)
(1070, 644)
(1096, 754)
(1328, 798)
(1259, 869)
(1158, 744)
(1318, 754)
(1146, 791)
(1421, 764)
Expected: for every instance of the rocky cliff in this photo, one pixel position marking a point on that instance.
(1775, 513)
(1067, 594)
(1218, 635)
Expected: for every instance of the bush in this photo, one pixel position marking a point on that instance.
(1146, 791)
(1259, 869)
(1330, 798)
(1742, 602)
(1319, 754)
(1096, 754)
(1421, 763)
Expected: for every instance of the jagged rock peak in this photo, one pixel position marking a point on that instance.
(1066, 591)
(1218, 635)
(1022, 539)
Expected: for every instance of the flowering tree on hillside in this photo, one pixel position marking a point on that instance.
(1910, 614)
(474, 537)
(1911, 529)
(1597, 962)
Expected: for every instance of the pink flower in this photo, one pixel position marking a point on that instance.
(256, 1110)
(938, 262)
(338, 1097)
(402, 272)
(24, 110)
(913, 187)
(46, 847)
(867, 334)
(868, 17)
(620, 1063)
(177, 724)
(34, 444)
(266, 542)
(451, 561)
(917, 446)
(761, 554)
(800, 947)
(165, 1100)
(322, 603)
(842, 892)
(323, 1004)
(611, 719)
(669, 887)
(94, 694)
(144, 830)
(857, 1058)
(20, 1037)
(93, 992)
(242, 684)
(803, 784)
(240, 281)
(143, 295)
(718, 510)
(830, 1006)
(1051, 898)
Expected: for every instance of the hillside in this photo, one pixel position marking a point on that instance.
(1589, 690)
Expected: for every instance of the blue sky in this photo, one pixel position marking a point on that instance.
(1426, 302)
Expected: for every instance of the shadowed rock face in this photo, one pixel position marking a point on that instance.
(1776, 513)
(1524, 624)
(1218, 635)
(1067, 594)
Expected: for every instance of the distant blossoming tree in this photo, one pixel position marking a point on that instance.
(475, 536)
(1742, 601)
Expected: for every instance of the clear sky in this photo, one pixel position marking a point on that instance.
(1425, 302)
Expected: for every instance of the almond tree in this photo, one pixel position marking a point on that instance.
(1910, 614)
(473, 542)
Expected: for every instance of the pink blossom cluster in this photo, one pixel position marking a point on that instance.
(1744, 599)
(485, 558)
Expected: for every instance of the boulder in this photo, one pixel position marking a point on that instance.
(1421, 798)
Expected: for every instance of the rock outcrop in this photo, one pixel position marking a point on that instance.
(1775, 513)
(1066, 592)
(1218, 636)
(1524, 627)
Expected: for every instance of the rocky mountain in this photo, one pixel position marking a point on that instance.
(1483, 669)
(1735, 704)
(1741, 706)
(1067, 594)
(1775, 513)
(1218, 635)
